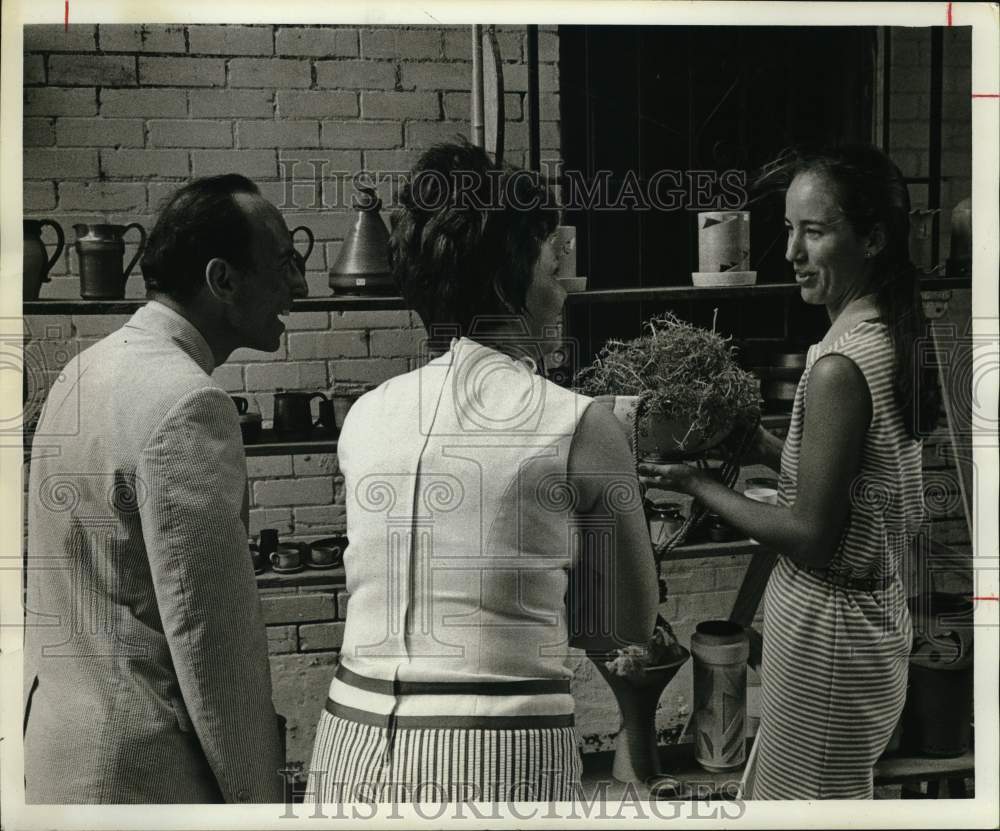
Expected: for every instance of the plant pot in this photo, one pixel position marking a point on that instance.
(637, 756)
(661, 438)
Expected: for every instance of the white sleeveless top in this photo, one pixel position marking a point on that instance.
(459, 520)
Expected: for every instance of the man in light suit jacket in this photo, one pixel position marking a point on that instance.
(146, 674)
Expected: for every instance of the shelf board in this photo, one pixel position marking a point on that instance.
(270, 445)
(678, 293)
(668, 293)
(338, 303)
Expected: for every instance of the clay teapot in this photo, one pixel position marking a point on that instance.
(100, 250)
(300, 259)
(37, 262)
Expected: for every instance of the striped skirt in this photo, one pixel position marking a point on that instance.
(356, 762)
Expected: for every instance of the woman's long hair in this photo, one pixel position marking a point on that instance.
(870, 190)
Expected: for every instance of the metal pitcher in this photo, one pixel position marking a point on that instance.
(37, 262)
(100, 250)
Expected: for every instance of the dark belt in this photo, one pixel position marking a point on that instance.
(392, 721)
(529, 686)
(858, 584)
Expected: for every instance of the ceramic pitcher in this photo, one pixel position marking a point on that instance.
(37, 262)
(100, 250)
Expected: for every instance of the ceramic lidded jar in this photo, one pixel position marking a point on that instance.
(100, 250)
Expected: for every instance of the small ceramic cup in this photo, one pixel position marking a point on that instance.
(327, 552)
(766, 495)
(286, 558)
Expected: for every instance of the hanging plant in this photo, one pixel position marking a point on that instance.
(693, 391)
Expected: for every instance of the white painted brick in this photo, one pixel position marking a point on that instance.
(303, 345)
(401, 161)
(458, 106)
(270, 133)
(458, 44)
(371, 371)
(316, 490)
(398, 105)
(324, 224)
(328, 519)
(299, 608)
(102, 196)
(269, 72)
(261, 467)
(160, 191)
(316, 464)
(182, 72)
(34, 69)
(39, 196)
(548, 47)
(352, 74)
(515, 78)
(282, 640)
(38, 132)
(374, 134)
(92, 70)
(99, 132)
(229, 377)
(389, 343)
(190, 133)
(438, 76)
(231, 40)
(238, 103)
(309, 320)
(279, 518)
(293, 103)
(128, 164)
(317, 636)
(422, 134)
(402, 44)
(254, 164)
(144, 38)
(320, 41)
(289, 376)
(390, 319)
(132, 103)
(60, 101)
(57, 37)
(343, 596)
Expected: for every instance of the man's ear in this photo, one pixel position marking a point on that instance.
(221, 279)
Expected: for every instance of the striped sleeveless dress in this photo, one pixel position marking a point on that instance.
(453, 683)
(835, 659)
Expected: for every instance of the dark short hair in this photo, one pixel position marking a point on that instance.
(870, 190)
(466, 235)
(199, 222)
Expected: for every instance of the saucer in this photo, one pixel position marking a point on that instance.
(322, 565)
(294, 570)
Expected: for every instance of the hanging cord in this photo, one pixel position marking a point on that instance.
(728, 474)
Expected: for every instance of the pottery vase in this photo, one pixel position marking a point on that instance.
(637, 756)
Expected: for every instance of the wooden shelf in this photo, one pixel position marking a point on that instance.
(679, 293)
(339, 303)
(271, 445)
(668, 293)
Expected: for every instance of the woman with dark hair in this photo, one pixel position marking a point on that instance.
(837, 633)
(494, 518)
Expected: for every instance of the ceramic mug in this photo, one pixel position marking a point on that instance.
(328, 552)
(286, 557)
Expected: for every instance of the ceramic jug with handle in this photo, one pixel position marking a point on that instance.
(100, 250)
(37, 262)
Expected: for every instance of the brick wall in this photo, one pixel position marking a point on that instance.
(116, 117)
(909, 116)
